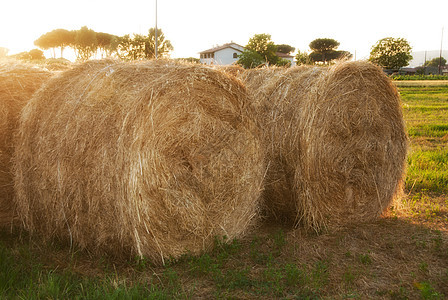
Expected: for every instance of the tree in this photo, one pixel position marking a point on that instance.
(324, 50)
(391, 53)
(303, 58)
(435, 62)
(286, 49)
(107, 43)
(63, 38)
(58, 38)
(47, 41)
(249, 59)
(36, 54)
(86, 43)
(263, 45)
(163, 46)
(143, 47)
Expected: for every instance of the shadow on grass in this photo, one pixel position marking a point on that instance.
(392, 258)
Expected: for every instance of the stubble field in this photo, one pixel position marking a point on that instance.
(403, 255)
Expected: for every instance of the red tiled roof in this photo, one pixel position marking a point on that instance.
(227, 45)
(283, 55)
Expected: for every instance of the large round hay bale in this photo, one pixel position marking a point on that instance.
(18, 82)
(154, 159)
(336, 143)
(353, 146)
(278, 95)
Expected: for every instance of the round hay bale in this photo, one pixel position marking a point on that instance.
(153, 159)
(234, 69)
(335, 139)
(353, 145)
(18, 82)
(278, 95)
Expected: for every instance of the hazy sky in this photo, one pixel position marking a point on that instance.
(196, 25)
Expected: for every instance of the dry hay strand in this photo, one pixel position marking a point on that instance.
(234, 69)
(353, 146)
(336, 143)
(278, 95)
(18, 82)
(153, 159)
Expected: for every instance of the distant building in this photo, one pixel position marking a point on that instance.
(287, 57)
(226, 54)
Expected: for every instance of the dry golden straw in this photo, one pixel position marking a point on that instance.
(18, 82)
(335, 139)
(153, 159)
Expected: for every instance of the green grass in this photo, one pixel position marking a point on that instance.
(426, 116)
(419, 77)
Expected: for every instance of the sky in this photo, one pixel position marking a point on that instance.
(196, 25)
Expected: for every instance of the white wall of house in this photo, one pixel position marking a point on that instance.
(225, 56)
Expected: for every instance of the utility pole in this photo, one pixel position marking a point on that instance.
(440, 55)
(156, 46)
(424, 65)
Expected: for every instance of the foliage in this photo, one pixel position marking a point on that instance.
(418, 77)
(324, 50)
(391, 53)
(34, 54)
(435, 62)
(323, 45)
(57, 38)
(163, 45)
(140, 46)
(303, 58)
(286, 49)
(263, 45)
(249, 59)
(86, 43)
(107, 43)
(261, 50)
(282, 62)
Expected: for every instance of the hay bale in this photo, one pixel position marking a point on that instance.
(18, 82)
(337, 144)
(354, 146)
(234, 69)
(278, 95)
(154, 159)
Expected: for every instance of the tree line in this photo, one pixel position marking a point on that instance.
(261, 50)
(87, 43)
(390, 53)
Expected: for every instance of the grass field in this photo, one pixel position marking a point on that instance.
(404, 255)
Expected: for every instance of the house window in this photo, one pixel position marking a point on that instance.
(235, 55)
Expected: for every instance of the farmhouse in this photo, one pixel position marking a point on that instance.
(225, 54)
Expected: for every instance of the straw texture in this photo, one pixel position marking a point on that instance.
(153, 159)
(18, 82)
(335, 139)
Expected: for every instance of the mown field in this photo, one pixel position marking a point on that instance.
(403, 255)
